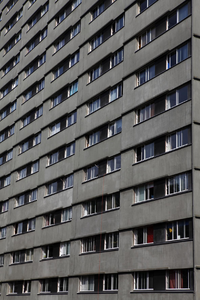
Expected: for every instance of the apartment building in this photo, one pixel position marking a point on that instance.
(99, 147)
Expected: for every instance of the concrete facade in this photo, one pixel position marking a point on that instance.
(99, 145)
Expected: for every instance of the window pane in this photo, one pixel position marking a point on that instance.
(183, 12)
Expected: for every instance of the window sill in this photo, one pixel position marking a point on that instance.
(89, 180)
(162, 112)
(152, 157)
(63, 101)
(33, 71)
(9, 70)
(97, 252)
(52, 225)
(99, 213)
(9, 92)
(49, 293)
(162, 243)
(46, 196)
(162, 291)
(54, 258)
(139, 85)
(20, 263)
(31, 5)
(89, 114)
(21, 233)
(65, 43)
(101, 141)
(60, 160)
(96, 292)
(106, 72)
(35, 46)
(18, 294)
(166, 196)
(162, 33)
(11, 48)
(60, 130)
(27, 176)
(64, 73)
(25, 204)
(28, 149)
(32, 96)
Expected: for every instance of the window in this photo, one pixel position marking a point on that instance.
(106, 33)
(87, 283)
(22, 256)
(9, 87)
(143, 4)
(31, 142)
(63, 123)
(1, 259)
(66, 11)
(6, 133)
(143, 235)
(25, 226)
(35, 114)
(5, 181)
(164, 24)
(4, 206)
(61, 153)
(178, 15)
(176, 56)
(10, 4)
(178, 183)
(34, 66)
(12, 42)
(8, 109)
(13, 20)
(178, 96)
(68, 35)
(102, 283)
(58, 216)
(103, 133)
(178, 139)
(56, 250)
(26, 197)
(177, 230)
(33, 91)
(66, 65)
(178, 279)
(110, 282)
(163, 103)
(38, 15)
(28, 170)
(36, 40)
(19, 287)
(54, 285)
(100, 8)
(64, 94)
(101, 204)
(106, 65)
(60, 184)
(144, 192)
(6, 156)
(143, 281)
(3, 233)
(105, 98)
(100, 243)
(11, 64)
(31, 2)
(103, 167)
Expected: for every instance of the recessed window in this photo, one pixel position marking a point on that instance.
(27, 197)
(22, 256)
(61, 153)
(31, 142)
(57, 217)
(54, 285)
(66, 11)
(106, 65)
(56, 250)
(38, 16)
(60, 184)
(36, 40)
(19, 287)
(12, 42)
(173, 58)
(144, 4)
(63, 123)
(24, 226)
